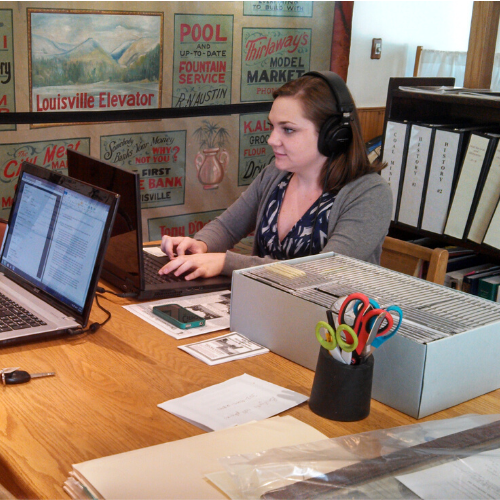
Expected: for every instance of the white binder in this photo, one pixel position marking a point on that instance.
(466, 187)
(416, 166)
(445, 155)
(394, 155)
(492, 236)
(488, 200)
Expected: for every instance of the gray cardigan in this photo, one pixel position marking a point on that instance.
(358, 223)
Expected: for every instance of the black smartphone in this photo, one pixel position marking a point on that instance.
(179, 316)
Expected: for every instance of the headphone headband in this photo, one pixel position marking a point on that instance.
(338, 88)
(335, 134)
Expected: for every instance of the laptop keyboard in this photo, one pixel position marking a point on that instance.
(15, 317)
(151, 268)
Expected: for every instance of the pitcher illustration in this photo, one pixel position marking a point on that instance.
(211, 162)
(211, 165)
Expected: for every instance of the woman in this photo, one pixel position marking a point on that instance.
(340, 199)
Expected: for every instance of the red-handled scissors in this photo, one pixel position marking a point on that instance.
(363, 314)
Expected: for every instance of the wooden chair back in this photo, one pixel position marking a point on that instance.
(417, 60)
(409, 258)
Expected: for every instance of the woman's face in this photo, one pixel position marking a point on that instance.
(294, 138)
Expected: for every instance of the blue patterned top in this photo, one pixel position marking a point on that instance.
(297, 242)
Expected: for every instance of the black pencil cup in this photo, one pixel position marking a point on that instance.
(341, 392)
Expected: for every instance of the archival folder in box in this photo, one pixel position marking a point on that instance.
(446, 351)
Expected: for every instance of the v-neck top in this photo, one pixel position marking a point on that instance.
(297, 243)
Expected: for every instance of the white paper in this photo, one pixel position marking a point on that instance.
(225, 348)
(474, 477)
(155, 251)
(214, 307)
(237, 401)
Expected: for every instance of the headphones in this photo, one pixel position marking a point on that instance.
(335, 134)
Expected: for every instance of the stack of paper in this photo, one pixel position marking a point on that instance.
(176, 469)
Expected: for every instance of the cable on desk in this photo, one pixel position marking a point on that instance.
(94, 326)
(100, 289)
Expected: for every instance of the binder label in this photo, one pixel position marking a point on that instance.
(416, 163)
(442, 170)
(393, 154)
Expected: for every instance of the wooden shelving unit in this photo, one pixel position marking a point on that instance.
(438, 108)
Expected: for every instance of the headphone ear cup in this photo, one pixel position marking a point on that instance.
(333, 137)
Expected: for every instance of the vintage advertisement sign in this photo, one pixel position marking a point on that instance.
(271, 57)
(203, 54)
(7, 95)
(94, 61)
(255, 152)
(48, 154)
(278, 8)
(179, 225)
(159, 158)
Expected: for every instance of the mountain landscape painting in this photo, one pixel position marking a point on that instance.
(82, 60)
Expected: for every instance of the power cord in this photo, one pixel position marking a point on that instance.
(94, 326)
(100, 289)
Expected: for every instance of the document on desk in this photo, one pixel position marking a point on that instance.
(474, 477)
(176, 469)
(225, 348)
(214, 307)
(234, 402)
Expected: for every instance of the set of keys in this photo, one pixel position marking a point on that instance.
(11, 376)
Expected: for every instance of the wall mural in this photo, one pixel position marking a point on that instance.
(271, 57)
(94, 61)
(160, 159)
(255, 152)
(7, 96)
(181, 225)
(278, 8)
(203, 55)
(48, 154)
(211, 160)
(112, 56)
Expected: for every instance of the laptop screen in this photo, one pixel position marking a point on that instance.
(125, 244)
(57, 229)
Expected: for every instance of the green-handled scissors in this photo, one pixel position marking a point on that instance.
(334, 337)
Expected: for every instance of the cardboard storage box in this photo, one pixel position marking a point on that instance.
(279, 307)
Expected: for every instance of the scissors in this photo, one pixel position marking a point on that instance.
(364, 313)
(381, 338)
(342, 338)
(376, 323)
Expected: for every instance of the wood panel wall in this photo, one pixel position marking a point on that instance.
(372, 122)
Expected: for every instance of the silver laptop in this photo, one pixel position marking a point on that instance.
(52, 254)
(127, 265)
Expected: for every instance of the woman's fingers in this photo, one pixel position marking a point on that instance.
(179, 245)
(198, 265)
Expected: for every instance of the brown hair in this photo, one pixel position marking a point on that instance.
(318, 104)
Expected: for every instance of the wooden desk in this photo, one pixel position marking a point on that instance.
(104, 399)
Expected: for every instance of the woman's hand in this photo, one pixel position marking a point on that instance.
(181, 245)
(199, 265)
